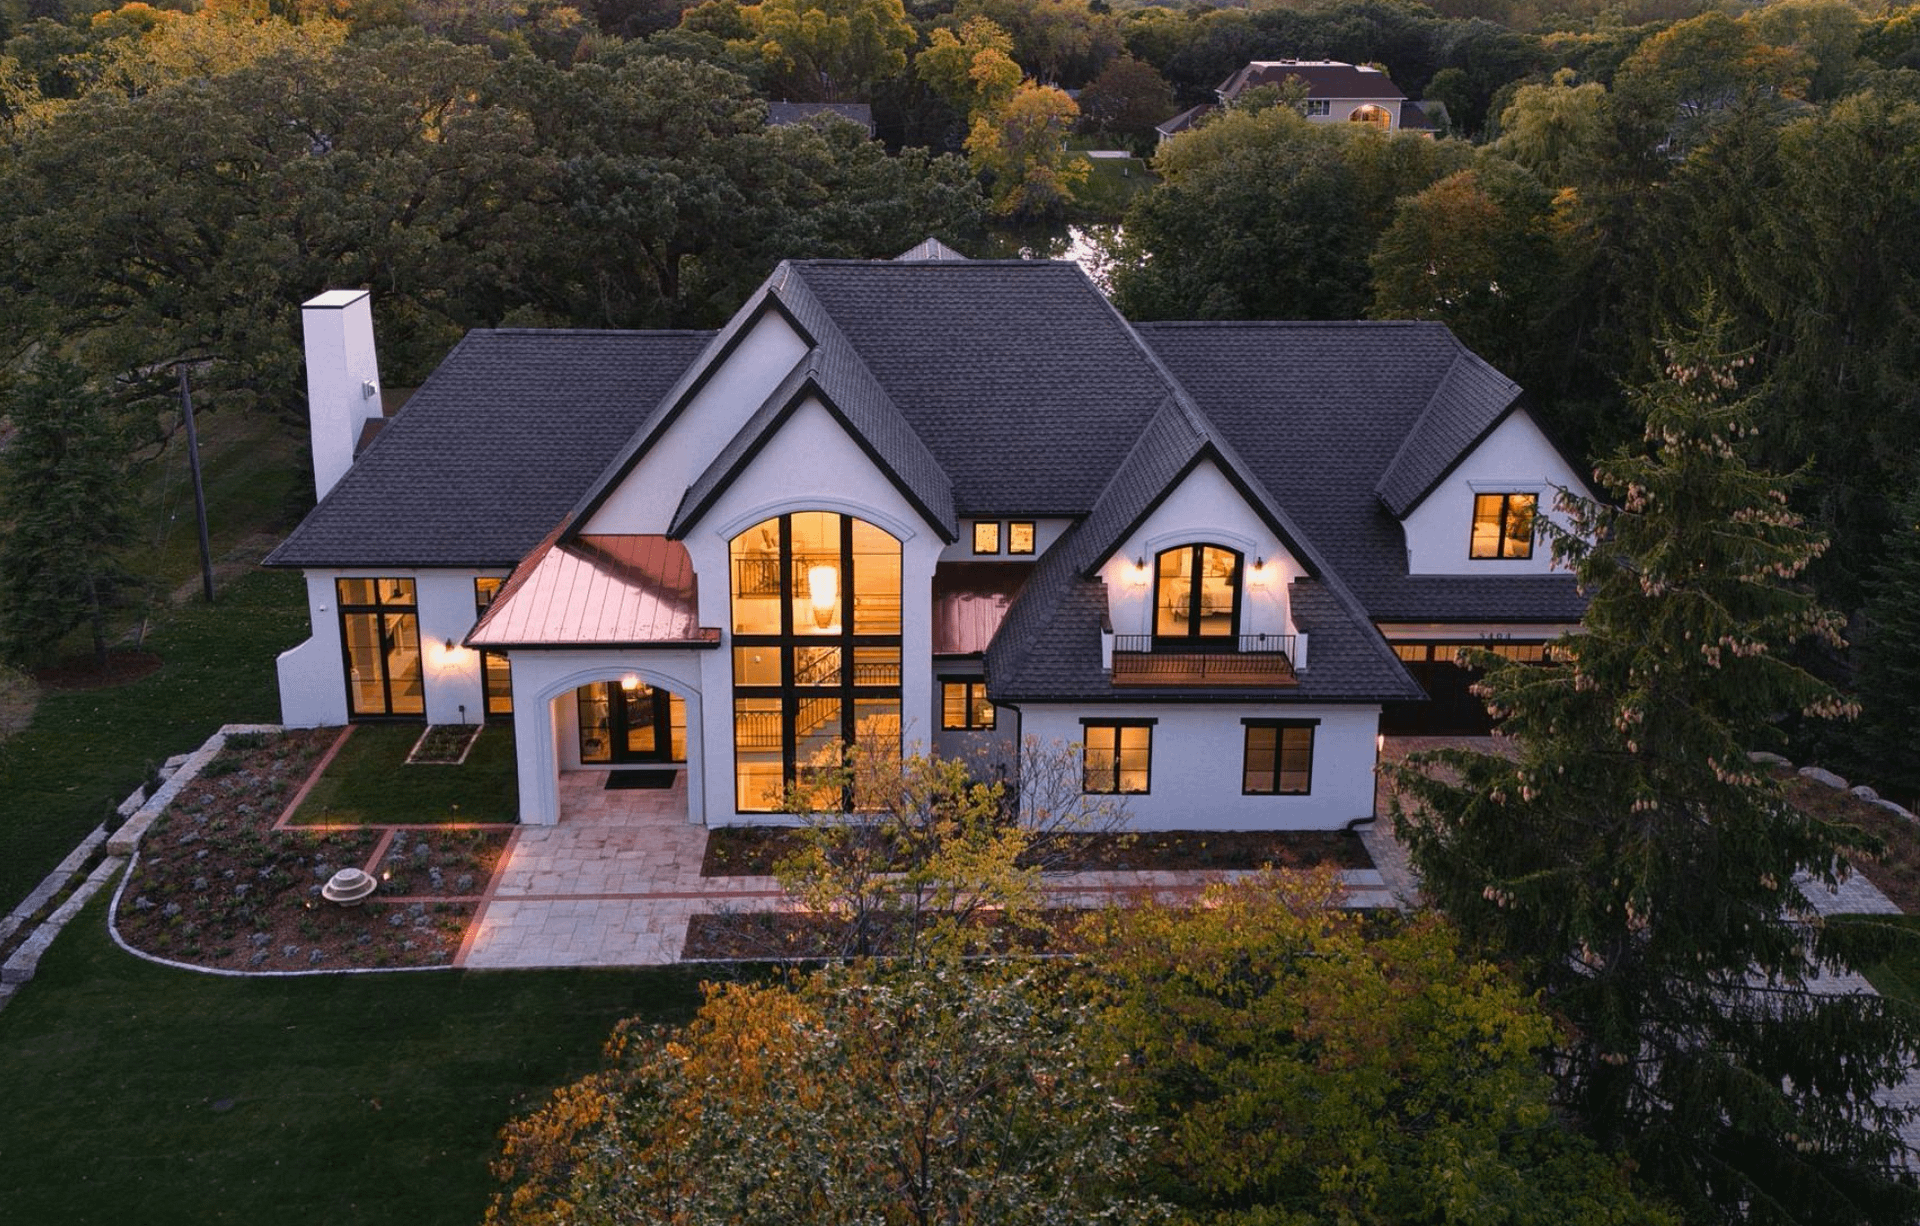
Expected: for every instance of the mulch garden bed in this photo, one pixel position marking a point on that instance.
(753, 850)
(1897, 871)
(217, 886)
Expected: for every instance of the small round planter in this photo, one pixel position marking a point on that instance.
(349, 887)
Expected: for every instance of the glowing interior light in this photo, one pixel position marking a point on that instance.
(823, 589)
(630, 682)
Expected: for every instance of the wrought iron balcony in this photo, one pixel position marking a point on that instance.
(1251, 660)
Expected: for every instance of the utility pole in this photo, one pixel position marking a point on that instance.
(199, 493)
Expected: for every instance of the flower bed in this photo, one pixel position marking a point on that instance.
(754, 850)
(217, 886)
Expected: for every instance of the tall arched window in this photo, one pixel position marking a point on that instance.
(1376, 115)
(1196, 596)
(816, 649)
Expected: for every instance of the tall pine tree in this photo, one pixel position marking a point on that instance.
(64, 511)
(1640, 871)
(1890, 659)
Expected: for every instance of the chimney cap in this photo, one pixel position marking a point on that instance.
(333, 299)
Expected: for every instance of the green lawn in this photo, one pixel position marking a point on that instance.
(85, 750)
(137, 1093)
(1111, 185)
(370, 781)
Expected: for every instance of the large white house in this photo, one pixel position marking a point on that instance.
(929, 501)
(1332, 92)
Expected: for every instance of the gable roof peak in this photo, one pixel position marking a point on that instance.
(926, 249)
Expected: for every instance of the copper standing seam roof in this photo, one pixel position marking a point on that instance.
(611, 591)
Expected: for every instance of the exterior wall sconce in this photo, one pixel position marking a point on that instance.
(1260, 574)
(1137, 572)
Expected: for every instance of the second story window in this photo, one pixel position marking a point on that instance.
(1503, 525)
(986, 537)
(1020, 536)
(1319, 106)
(1196, 597)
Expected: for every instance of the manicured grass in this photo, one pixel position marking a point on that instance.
(1898, 976)
(370, 781)
(85, 750)
(257, 483)
(138, 1093)
(1110, 185)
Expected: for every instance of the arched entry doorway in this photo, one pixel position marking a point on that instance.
(629, 722)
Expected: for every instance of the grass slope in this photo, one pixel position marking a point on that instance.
(135, 1092)
(85, 750)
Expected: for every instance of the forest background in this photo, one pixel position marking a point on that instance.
(175, 180)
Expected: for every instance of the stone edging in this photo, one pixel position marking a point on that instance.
(126, 842)
(1825, 777)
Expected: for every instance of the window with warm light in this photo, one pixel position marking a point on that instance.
(1117, 756)
(380, 636)
(1378, 116)
(964, 706)
(1279, 757)
(1503, 525)
(816, 649)
(1196, 597)
(1020, 536)
(496, 675)
(986, 537)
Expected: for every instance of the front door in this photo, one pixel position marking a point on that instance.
(622, 723)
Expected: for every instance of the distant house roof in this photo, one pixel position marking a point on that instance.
(1184, 120)
(1324, 79)
(1413, 118)
(786, 114)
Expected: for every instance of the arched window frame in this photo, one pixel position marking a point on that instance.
(1193, 638)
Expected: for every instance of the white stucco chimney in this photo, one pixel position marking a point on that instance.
(343, 379)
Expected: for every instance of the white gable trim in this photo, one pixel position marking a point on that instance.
(901, 530)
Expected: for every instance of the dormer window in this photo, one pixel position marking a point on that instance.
(1196, 597)
(1503, 525)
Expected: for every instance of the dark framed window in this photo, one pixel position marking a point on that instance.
(1020, 536)
(1319, 106)
(1503, 525)
(816, 650)
(986, 537)
(496, 675)
(964, 706)
(1279, 757)
(380, 641)
(1117, 756)
(1196, 595)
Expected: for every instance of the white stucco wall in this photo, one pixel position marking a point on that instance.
(313, 686)
(646, 500)
(1197, 763)
(811, 464)
(343, 379)
(1045, 533)
(1205, 507)
(545, 716)
(1515, 459)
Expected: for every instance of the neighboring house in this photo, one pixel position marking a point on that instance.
(1336, 93)
(929, 501)
(786, 114)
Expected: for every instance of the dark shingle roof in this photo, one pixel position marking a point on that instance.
(1317, 412)
(1324, 78)
(1471, 399)
(492, 450)
(1017, 375)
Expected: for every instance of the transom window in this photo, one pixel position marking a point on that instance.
(816, 649)
(1503, 525)
(1279, 757)
(1196, 595)
(1117, 756)
(1020, 536)
(986, 537)
(964, 706)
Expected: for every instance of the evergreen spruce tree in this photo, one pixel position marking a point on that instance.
(64, 510)
(1640, 872)
(1890, 660)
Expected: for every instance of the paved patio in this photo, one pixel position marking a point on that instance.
(616, 881)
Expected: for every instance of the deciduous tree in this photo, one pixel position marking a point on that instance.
(1022, 148)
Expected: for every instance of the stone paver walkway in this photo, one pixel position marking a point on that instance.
(617, 880)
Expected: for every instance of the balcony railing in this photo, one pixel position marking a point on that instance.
(1251, 659)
